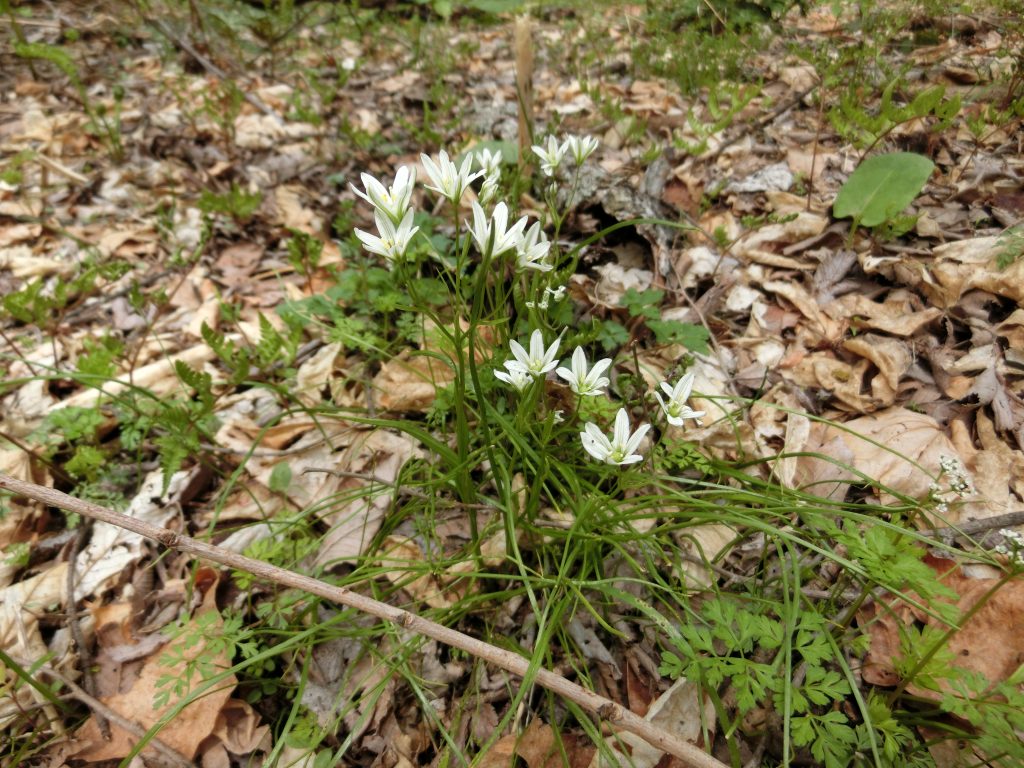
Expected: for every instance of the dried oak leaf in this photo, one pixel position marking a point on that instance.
(188, 728)
(987, 643)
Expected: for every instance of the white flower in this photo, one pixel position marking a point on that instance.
(580, 147)
(620, 449)
(489, 189)
(531, 250)
(517, 376)
(490, 162)
(392, 242)
(550, 155)
(393, 202)
(449, 181)
(494, 237)
(581, 381)
(557, 294)
(676, 408)
(539, 360)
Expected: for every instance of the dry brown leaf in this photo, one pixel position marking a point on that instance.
(401, 557)
(683, 710)
(158, 377)
(501, 755)
(899, 449)
(537, 746)
(409, 382)
(362, 503)
(900, 314)
(188, 728)
(762, 245)
(891, 356)
(291, 213)
(112, 550)
(21, 606)
(843, 381)
(988, 642)
(24, 263)
(314, 375)
(820, 326)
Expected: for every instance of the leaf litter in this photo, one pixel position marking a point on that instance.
(864, 358)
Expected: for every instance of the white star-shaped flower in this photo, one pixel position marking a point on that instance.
(621, 448)
(582, 381)
(550, 155)
(493, 236)
(393, 201)
(515, 376)
(392, 241)
(538, 360)
(675, 407)
(580, 147)
(450, 181)
(531, 250)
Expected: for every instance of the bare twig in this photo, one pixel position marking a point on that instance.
(210, 67)
(171, 756)
(972, 527)
(615, 714)
(71, 607)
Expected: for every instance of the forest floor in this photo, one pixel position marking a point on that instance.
(822, 570)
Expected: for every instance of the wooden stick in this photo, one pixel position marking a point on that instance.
(690, 755)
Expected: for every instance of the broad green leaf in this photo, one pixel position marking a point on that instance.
(280, 477)
(881, 187)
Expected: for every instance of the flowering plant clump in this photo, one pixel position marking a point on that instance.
(509, 246)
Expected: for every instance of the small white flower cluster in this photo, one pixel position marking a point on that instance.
(550, 295)
(1012, 546)
(551, 153)
(958, 483)
(586, 381)
(493, 234)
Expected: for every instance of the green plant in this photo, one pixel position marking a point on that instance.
(881, 187)
(724, 103)
(106, 126)
(235, 203)
(1011, 244)
(644, 306)
(852, 121)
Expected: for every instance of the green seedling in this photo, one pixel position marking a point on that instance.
(881, 187)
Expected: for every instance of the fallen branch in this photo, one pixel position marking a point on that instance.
(616, 715)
